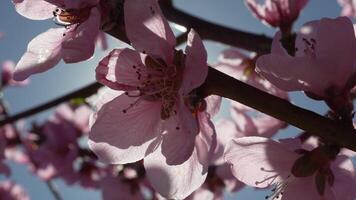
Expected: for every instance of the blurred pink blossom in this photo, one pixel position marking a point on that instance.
(348, 7)
(249, 121)
(52, 148)
(12, 191)
(277, 13)
(102, 40)
(220, 179)
(116, 187)
(7, 75)
(78, 116)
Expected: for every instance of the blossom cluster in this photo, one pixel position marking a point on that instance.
(152, 132)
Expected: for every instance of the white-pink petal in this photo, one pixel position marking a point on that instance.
(174, 181)
(196, 68)
(43, 53)
(179, 135)
(123, 135)
(118, 69)
(259, 162)
(148, 30)
(79, 43)
(34, 9)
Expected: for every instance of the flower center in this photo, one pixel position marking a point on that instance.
(158, 81)
(71, 16)
(279, 188)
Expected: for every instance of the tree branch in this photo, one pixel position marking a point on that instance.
(215, 32)
(81, 93)
(223, 85)
(53, 189)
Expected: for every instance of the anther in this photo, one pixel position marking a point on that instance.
(152, 10)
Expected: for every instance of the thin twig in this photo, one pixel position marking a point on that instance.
(52, 187)
(81, 93)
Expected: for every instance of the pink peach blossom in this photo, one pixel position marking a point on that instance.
(73, 44)
(348, 7)
(277, 13)
(158, 118)
(261, 162)
(317, 57)
(52, 148)
(12, 191)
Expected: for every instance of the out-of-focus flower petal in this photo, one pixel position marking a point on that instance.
(8, 69)
(102, 41)
(348, 7)
(113, 188)
(277, 13)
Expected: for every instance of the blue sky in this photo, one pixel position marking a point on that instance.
(64, 78)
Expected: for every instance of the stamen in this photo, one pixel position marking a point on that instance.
(157, 81)
(131, 105)
(309, 47)
(279, 188)
(152, 10)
